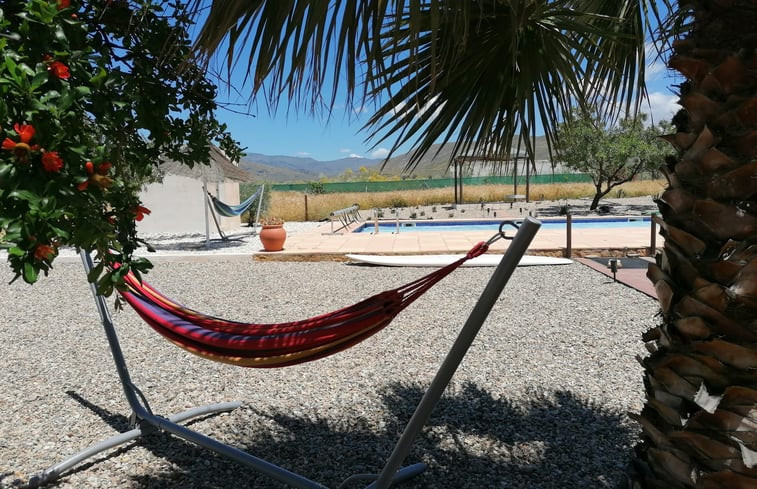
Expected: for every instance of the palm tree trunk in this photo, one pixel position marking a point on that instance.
(700, 418)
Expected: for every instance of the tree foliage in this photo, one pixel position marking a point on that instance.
(612, 154)
(91, 99)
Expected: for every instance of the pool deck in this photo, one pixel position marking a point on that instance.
(322, 243)
(635, 278)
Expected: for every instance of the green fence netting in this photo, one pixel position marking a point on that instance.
(420, 184)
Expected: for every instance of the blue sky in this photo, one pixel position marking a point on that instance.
(300, 134)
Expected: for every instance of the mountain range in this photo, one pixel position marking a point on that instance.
(278, 168)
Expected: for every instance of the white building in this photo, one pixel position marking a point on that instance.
(178, 203)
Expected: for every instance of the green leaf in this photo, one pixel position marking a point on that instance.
(7, 170)
(60, 232)
(16, 251)
(24, 195)
(39, 80)
(93, 274)
(30, 273)
(60, 35)
(99, 77)
(13, 230)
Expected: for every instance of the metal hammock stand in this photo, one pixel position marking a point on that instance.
(143, 420)
(215, 207)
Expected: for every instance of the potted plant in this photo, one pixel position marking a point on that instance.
(272, 234)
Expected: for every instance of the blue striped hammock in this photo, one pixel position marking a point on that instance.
(233, 210)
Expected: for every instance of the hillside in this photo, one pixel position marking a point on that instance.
(279, 169)
(436, 161)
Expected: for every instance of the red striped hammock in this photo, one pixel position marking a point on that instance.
(278, 344)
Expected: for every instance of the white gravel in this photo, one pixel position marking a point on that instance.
(242, 241)
(539, 401)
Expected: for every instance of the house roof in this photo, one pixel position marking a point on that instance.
(218, 169)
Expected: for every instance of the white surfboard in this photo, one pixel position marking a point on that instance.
(487, 260)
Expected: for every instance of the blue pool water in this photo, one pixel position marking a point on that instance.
(493, 224)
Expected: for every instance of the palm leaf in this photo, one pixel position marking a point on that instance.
(488, 76)
(484, 74)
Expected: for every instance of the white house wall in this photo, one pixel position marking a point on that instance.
(177, 206)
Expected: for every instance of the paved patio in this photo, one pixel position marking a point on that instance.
(322, 243)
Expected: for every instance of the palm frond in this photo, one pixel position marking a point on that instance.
(295, 48)
(488, 76)
(482, 73)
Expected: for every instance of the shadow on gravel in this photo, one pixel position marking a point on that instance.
(198, 244)
(473, 440)
(606, 208)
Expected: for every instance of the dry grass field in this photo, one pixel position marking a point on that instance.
(296, 206)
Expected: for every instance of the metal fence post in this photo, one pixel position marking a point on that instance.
(652, 236)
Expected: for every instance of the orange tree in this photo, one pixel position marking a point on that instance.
(92, 96)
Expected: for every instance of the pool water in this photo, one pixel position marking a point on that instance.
(493, 224)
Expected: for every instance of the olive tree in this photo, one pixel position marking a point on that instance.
(612, 154)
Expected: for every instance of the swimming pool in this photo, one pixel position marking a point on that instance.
(493, 224)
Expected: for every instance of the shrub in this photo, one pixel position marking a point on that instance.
(315, 188)
(90, 102)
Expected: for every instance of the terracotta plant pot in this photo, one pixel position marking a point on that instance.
(273, 236)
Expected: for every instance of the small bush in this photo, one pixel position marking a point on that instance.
(315, 188)
(398, 201)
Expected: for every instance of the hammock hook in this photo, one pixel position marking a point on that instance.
(501, 233)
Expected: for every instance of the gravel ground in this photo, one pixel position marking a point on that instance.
(627, 206)
(539, 402)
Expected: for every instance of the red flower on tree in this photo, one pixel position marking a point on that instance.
(63, 4)
(141, 212)
(43, 252)
(59, 70)
(22, 148)
(97, 177)
(51, 161)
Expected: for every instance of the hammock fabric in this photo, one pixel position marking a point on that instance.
(229, 210)
(278, 344)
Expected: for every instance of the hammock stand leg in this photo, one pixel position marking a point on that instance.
(144, 421)
(209, 207)
(257, 212)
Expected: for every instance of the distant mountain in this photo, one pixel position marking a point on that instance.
(433, 164)
(436, 161)
(280, 168)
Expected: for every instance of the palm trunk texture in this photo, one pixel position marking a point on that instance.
(700, 418)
